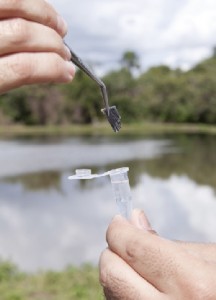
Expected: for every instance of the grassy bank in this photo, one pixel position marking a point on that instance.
(105, 129)
(70, 284)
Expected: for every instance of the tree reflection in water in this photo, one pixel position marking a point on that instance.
(193, 156)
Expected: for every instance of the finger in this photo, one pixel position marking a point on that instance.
(205, 251)
(28, 68)
(120, 281)
(37, 11)
(25, 36)
(161, 262)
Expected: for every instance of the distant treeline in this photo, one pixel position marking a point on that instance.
(159, 94)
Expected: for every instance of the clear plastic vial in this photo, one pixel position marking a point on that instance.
(121, 189)
(120, 185)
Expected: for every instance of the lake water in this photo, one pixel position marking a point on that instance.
(48, 222)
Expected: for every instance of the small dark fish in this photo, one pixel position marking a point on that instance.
(110, 112)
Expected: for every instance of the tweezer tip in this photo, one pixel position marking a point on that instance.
(113, 117)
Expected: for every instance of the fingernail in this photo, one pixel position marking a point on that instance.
(118, 218)
(67, 53)
(142, 222)
(61, 25)
(70, 70)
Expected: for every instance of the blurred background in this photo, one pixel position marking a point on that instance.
(158, 60)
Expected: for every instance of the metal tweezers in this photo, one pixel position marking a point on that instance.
(111, 112)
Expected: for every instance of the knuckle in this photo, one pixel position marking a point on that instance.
(14, 4)
(109, 276)
(110, 233)
(104, 268)
(201, 289)
(115, 284)
(113, 232)
(21, 68)
(58, 48)
(19, 30)
(112, 284)
(50, 18)
(57, 65)
(131, 251)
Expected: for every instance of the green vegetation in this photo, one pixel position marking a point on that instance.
(160, 94)
(71, 284)
(103, 129)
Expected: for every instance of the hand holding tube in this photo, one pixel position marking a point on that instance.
(139, 264)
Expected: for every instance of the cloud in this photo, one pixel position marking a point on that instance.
(177, 207)
(173, 32)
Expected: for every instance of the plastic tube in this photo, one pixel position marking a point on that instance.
(121, 189)
(120, 185)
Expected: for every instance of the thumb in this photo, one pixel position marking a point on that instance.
(139, 219)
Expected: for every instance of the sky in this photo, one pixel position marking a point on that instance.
(177, 33)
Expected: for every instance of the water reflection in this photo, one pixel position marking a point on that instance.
(47, 221)
(37, 181)
(20, 158)
(178, 207)
(197, 160)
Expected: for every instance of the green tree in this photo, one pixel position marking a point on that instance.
(159, 94)
(130, 61)
(15, 106)
(83, 101)
(121, 88)
(33, 105)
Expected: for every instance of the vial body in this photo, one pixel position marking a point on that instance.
(122, 192)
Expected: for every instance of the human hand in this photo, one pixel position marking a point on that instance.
(31, 44)
(141, 265)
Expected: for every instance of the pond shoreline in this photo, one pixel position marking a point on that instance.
(101, 129)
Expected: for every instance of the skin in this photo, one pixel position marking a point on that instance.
(139, 264)
(32, 48)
